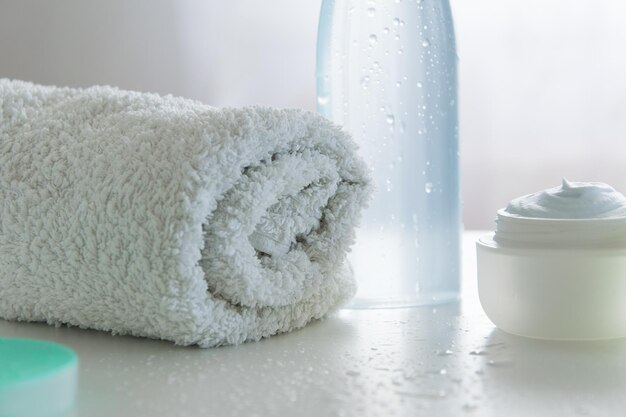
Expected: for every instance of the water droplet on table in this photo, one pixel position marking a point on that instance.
(501, 363)
(470, 406)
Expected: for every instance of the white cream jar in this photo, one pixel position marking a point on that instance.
(555, 268)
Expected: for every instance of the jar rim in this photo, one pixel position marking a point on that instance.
(502, 213)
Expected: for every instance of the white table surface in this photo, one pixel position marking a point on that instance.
(443, 361)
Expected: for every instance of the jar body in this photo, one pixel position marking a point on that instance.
(553, 292)
(386, 72)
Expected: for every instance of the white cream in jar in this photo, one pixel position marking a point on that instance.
(571, 200)
(555, 268)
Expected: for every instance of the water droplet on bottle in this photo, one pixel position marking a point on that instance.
(322, 100)
(385, 30)
(428, 187)
(373, 39)
(398, 83)
(390, 119)
(426, 43)
(478, 353)
(365, 82)
(397, 37)
(419, 84)
(400, 51)
(371, 12)
(396, 22)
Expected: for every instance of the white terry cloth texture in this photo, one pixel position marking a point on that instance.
(166, 218)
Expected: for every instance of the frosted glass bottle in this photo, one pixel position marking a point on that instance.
(386, 72)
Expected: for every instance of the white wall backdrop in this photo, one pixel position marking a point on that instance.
(542, 83)
(543, 95)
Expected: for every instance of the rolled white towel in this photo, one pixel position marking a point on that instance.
(166, 218)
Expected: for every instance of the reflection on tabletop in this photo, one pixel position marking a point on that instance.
(445, 360)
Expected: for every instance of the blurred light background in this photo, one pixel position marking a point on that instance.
(542, 83)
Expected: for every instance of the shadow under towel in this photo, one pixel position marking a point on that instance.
(166, 218)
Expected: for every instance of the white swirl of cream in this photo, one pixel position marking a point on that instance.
(572, 200)
(573, 214)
